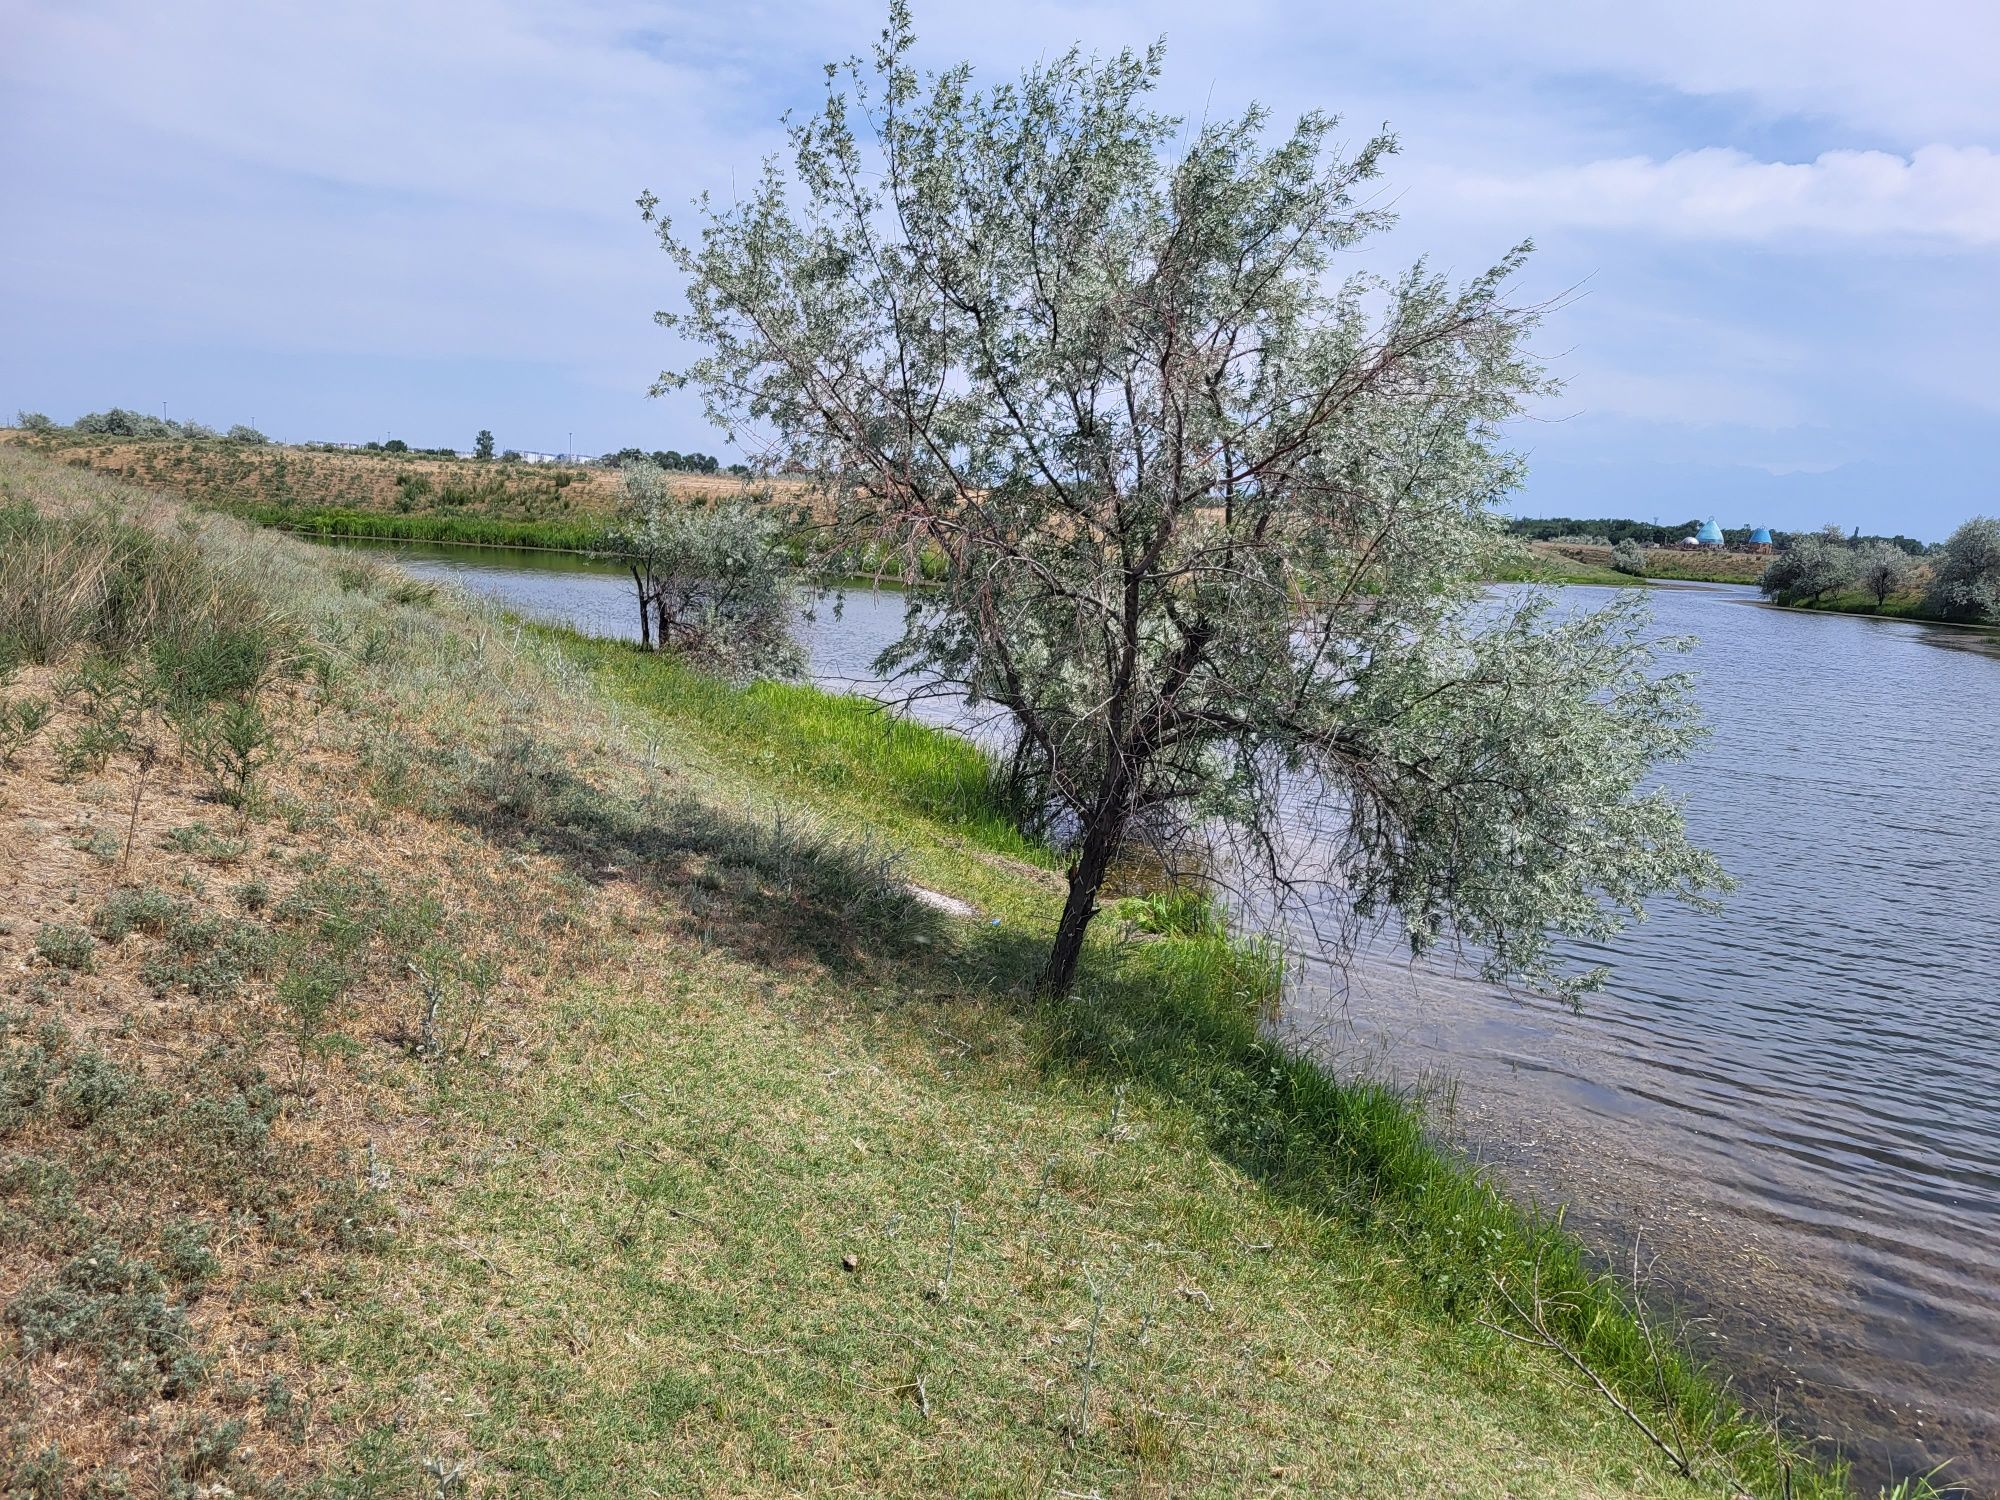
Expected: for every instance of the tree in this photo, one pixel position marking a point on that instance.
(713, 585)
(34, 421)
(1813, 564)
(1882, 568)
(1965, 579)
(395, 445)
(1206, 520)
(1629, 557)
(242, 434)
(482, 446)
(118, 422)
(511, 456)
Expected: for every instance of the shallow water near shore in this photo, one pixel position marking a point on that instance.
(1788, 1108)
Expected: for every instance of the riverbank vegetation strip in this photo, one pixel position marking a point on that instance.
(440, 1053)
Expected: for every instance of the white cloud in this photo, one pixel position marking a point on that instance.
(1916, 71)
(1942, 195)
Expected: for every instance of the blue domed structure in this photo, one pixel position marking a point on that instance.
(1761, 537)
(1710, 534)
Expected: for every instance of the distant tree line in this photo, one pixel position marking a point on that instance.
(118, 422)
(1610, 532)
(1960, 579)
(674, 463)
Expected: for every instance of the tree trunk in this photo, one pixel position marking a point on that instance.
(645, 625)
(1086, 876)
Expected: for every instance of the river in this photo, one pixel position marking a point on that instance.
(1790, 1108)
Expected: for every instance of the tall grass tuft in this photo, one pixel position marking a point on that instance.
(95, 580)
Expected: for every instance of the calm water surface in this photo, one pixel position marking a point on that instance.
(1789, 1109)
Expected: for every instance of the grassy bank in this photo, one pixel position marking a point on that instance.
(1902, 606)
(448, 1057)
(1540, 563)
(1679, 564)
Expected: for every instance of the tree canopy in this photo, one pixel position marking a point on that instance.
(1207, 516)
(1965, 579)
(712, 583)
(1813, 565)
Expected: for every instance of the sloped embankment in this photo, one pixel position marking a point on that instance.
(444, 1057)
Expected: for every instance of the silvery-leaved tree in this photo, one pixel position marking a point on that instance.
(712, 583)
(1205, 515)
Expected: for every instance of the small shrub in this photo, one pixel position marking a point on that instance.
(311, 988)
(184, 1252)
(101, 688)
(46, 1191)
(25, 1075)
(339, 908)
(39, 1476)
(226, 1129)
(231, 744)
(21, 719)
(90, 745)
(351, 1215)
(66, 947)
(100, 844)
(211, 1450)
(148, 909)
(210, 956)
(216, 663)
(253, 895)
(203, 842)
(113, 1307)
(92, 1087)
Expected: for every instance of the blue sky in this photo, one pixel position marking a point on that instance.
(1780, 218)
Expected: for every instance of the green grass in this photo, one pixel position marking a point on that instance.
(1895, 607)
(814, 744)
(1168, 1014)
(469, 531)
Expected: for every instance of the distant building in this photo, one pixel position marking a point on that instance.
(1710, 534)
(1760, 540)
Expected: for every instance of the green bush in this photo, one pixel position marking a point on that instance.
(203, 842)
(92, 1086)
(21, 719)
(148, 909)
(220, 662)
(103, 1303)
(66, 947)
(231, 744)
(210, 957)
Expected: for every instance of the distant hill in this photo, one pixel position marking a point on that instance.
(257, 479)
